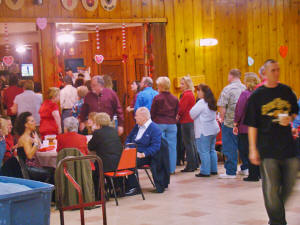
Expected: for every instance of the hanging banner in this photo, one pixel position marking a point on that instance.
(14, 4)
(69, 4)
(90, 5)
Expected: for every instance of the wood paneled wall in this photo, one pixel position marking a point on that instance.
(255, 28)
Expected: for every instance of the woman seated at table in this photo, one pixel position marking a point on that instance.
(71, 139)
(106, 142)
(49, 113)
(28, 145)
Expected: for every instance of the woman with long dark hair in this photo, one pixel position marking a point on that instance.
(206, 129)
(28, 144)
(135, 87)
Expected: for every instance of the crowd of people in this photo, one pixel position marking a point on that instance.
(257, 120)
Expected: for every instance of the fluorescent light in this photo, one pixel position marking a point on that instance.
(65, 38)
(21, 49)
(208, 42)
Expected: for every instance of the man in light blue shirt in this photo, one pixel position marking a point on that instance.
(145, 97)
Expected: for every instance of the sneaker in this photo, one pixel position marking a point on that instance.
(244, 172)
(226, 176)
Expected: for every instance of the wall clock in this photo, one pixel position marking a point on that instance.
(14, 4)
(69, 4)
(109, 5)
(90, 5)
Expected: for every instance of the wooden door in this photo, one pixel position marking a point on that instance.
(139, 69)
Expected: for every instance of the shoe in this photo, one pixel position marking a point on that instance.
(244, 172)
(201, 175)
(132, 191)
(250, 179)
(187, 170)
(226, 176)
(214, 173)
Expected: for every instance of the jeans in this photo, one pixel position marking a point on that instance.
(169, 133)
(229, 149)
(278, 179)
(188, 136)
(208, 154)
(243, 144)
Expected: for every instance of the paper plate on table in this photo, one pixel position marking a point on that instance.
(46, 149)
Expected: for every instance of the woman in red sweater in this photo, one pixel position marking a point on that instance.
(187, 101)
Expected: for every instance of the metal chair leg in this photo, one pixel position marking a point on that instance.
(150, 177)
(138, 181)
(112, 183)
(62, 220)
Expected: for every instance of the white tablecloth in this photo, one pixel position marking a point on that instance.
(47, 159)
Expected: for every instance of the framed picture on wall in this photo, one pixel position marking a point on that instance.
(69, 4)
(90, 5)
(74, 63)
(14, 4)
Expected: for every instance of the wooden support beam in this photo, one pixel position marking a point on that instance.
(85, 20)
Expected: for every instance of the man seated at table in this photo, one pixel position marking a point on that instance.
(147, 137)
(71, 139)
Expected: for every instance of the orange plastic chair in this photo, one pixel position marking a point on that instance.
(126, 167)
(146, 168)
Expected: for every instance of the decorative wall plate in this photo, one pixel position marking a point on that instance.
(69, 4)
(14, 4)
(109, 5)
(90, 5)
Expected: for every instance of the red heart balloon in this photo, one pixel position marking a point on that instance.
(283, 51)
(8, 60)
(99, 58)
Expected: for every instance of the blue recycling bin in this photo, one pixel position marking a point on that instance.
(30, 207)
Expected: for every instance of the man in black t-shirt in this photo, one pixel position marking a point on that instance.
(271, 109)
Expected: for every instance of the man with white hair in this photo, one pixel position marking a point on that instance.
(71, 139)
(102, 99)
(145, 97)
(147, 137)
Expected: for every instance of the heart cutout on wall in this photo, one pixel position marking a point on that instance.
(41, 23)
(250, 61)
(99, 58)
(8, 60)
(283, 51)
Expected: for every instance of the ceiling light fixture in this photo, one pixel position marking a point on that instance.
(20, 49)
(208, 42)
(65, 38)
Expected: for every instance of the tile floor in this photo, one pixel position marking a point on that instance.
(189, 200)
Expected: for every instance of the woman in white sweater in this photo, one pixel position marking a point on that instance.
(206, 129)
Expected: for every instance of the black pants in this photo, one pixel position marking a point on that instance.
(132, 179)
(243, 145)
(188, 136)
(278, 179)
(180, 146)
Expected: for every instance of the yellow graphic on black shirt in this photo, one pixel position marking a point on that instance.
(276, 107)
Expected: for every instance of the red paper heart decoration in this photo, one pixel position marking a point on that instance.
(283, 51)
(41, 23)
(99, 58)
(8, 60)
